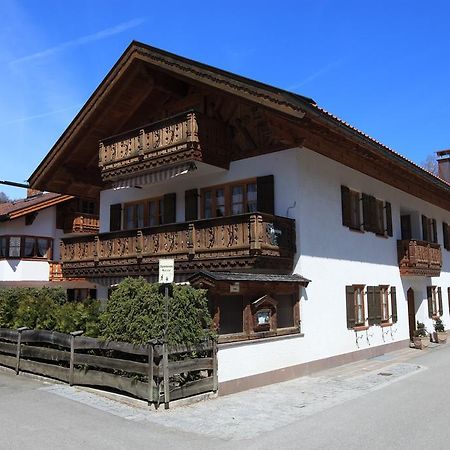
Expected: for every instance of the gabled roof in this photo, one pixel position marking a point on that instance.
(18, 208)
(288, 104)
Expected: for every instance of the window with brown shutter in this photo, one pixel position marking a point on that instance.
(374, 306)
(434, 303)
(191, 205)
(169, 202)
(394, 304)
(351, 208)
(429, 229)
(440, 305)
(388, 209)
(355, 306)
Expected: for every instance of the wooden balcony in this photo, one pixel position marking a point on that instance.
(258, 242)
(55, 271)
(81, 223)
(419, 258)
(186, 137)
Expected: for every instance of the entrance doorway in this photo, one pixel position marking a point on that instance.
(411, 312)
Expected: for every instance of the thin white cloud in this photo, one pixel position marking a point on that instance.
(315, 75)
(120, 28)
(38, 116)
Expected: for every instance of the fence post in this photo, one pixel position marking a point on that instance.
(19, 344)
(150, 375)
(73, 335)
(166, 375)
(215, 367)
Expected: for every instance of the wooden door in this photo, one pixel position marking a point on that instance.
(405, 221)
(411, 312)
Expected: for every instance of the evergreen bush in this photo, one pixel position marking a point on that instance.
(136, 313)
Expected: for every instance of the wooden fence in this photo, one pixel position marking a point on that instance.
(155, 372)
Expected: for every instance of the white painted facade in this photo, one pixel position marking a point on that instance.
(308, 189)
(44, 225)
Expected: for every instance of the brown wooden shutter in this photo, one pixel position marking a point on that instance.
(425, 228)
(169, 201)
(350, 299)
(191, 205)
(346, 207)
(265, 194)
(448, 299)
(394, 304)
(441, 308)
(434, 228)
(430, 301)
(374, 304)
(115, 217)
(367, 225)
(388, 209)
(445, 234)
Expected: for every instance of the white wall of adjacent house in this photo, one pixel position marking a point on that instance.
(308, 189)
(30, 270)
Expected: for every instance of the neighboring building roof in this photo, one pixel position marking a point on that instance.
(403, 173)
(260, 277)
(18, 208)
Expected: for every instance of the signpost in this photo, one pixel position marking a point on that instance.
(165, 277)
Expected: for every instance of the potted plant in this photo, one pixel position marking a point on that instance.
(441, 334)
(421, 338)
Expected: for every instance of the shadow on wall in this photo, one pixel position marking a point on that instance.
(13, 263)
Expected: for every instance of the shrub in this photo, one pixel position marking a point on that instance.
(136, 313)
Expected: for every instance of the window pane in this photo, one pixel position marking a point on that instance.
(14, 247)
(237, 200)
(161, 212)
(3, 247)
(285, 311)
(251, 197)
(231, 314)
(29, 251)
(139, 215)
(129, 217)
(207, 213)
(43, 247)
(153, 213)
(220, 202)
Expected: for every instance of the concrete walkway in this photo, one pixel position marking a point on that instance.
(288, 413)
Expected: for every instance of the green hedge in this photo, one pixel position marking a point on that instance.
(47, 309)
(134, 313)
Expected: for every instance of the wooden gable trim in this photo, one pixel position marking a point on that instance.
(39, 207)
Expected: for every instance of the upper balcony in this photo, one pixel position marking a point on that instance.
(81, 223)
(254, 241)
(184, 138)
(419, 258)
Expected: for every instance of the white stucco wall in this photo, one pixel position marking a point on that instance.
(308, 188)
(28, 270)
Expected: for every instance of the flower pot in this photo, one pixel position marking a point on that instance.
(421, 342)
(442, 337)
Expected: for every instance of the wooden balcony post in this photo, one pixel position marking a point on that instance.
(255, 244)
(139, 245)
(141, 148)
(191, 240)
(96, 249)
(101, 155)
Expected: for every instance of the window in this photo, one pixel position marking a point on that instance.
(381, 303)
(25, 247)
(148, 212)
(231, 199)
(231, 310)
(434, 297)
(376, 214)
(429, 229)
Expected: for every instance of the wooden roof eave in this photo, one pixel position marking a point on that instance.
(38, 207)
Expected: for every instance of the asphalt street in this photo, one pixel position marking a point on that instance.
(396, 401)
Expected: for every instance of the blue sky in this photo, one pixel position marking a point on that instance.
(383, 66)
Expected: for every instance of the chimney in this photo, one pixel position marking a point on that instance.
(444, 165)
(33, 192)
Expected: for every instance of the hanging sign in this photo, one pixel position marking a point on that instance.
(166, 270)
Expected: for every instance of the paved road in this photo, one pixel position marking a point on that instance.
(397, 401)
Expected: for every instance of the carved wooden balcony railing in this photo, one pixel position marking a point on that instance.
(419, 258)
(81, 223)
(186, 137)
(259, 242)
(55, 271)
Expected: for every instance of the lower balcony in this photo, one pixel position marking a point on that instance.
(251, 242)
(419, 258)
